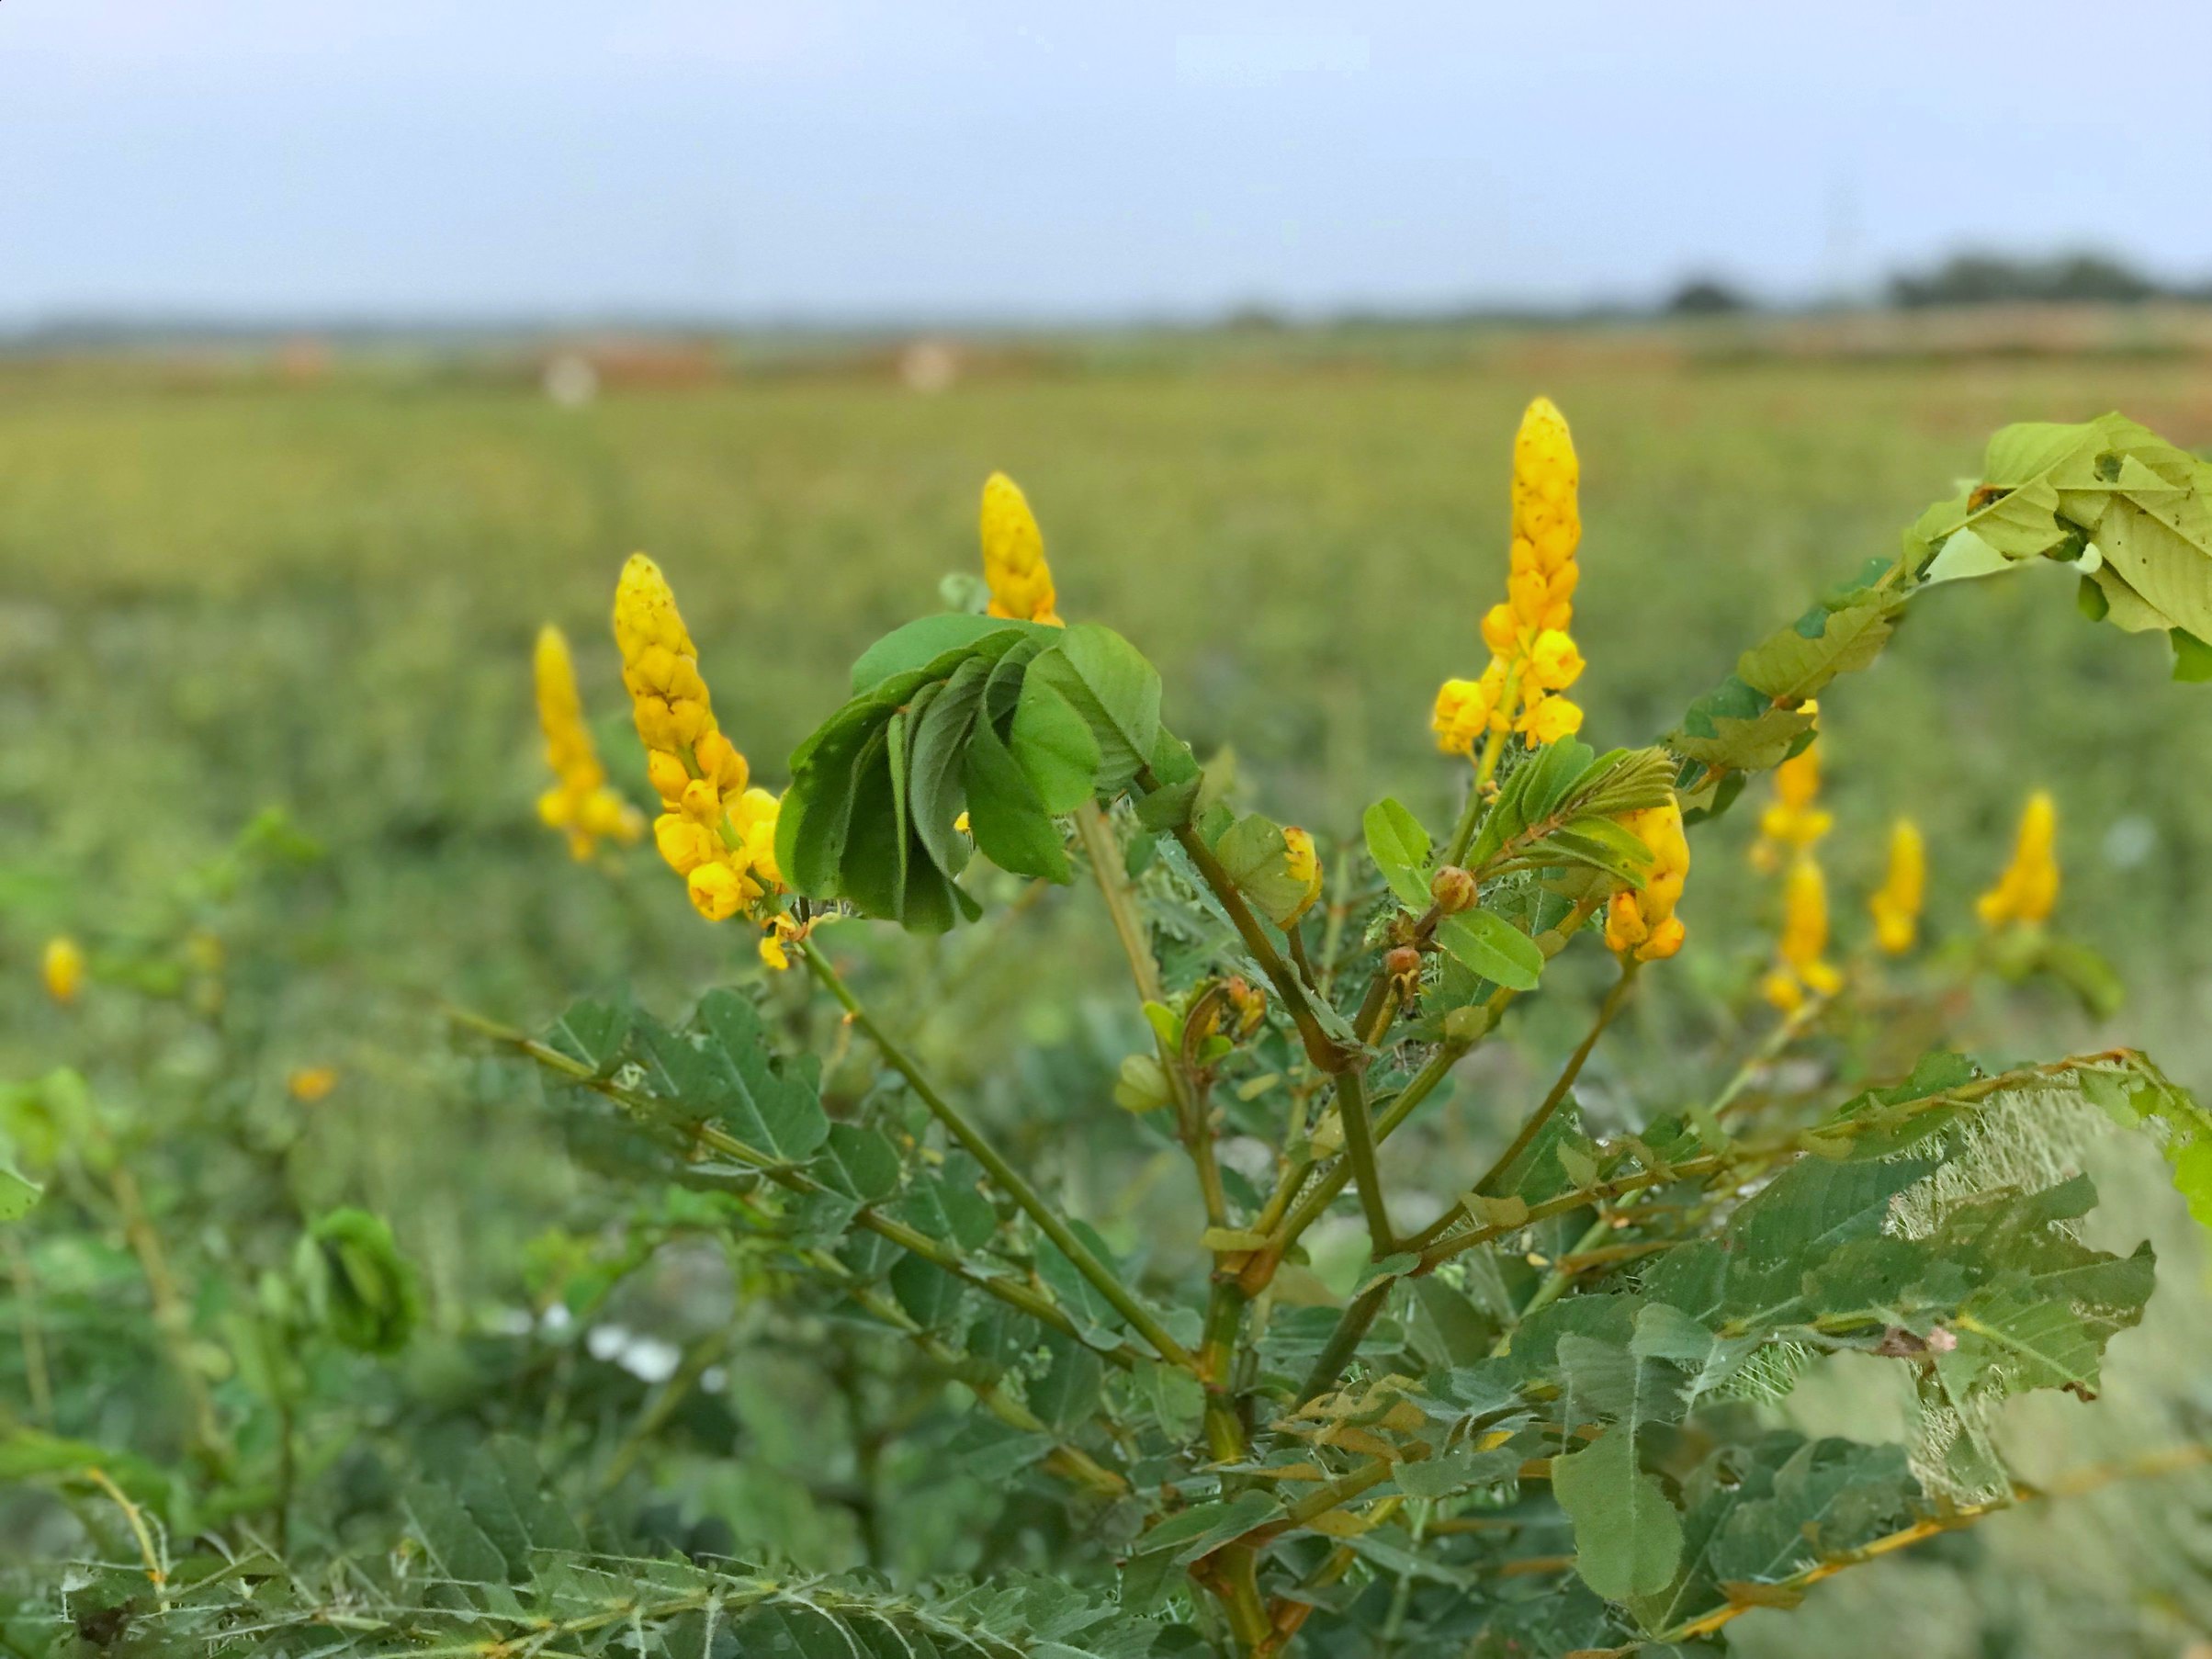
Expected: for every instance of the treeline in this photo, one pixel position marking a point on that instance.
(1977, 279)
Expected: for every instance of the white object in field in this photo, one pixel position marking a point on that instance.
(571, 380)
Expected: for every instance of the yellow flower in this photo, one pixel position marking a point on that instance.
(1548, 720)
(1531, 654)
(1553, 662)
(716, 830)
(1013, 555)
(581, 805)
(1896, 905)
(1304, 862)
(1462, 715)
(1805, 942)
(1643, 922)
(310, 1084)
(64, 968)
(2028, 888)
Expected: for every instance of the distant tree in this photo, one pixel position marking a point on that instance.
(1976, 278)
(1706, 296)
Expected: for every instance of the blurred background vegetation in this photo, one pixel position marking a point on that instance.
(240, 580)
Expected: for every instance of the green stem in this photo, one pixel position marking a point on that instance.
(1009, 1181)
(1493, 749)
(1360, 1153)
(1343, 1341)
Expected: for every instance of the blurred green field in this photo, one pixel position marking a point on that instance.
(218, 600)
(223, 598)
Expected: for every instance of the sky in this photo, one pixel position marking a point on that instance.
(846, 159)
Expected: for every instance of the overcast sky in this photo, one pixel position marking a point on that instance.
(844, 158)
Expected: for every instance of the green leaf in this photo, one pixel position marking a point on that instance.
(1399, 847)
(1107, 681)
(936, 767)
(1492, 948)
(593, 1033)
(1734, 728)
(1069, 1391)
(920, 643)
(1795, 663)
(1008, 817)
(1054, 746)
(1628, 1538)
(1258, 860)
(860, 1163)
(2192, 658)
(723, 1069)
(1204, 1528)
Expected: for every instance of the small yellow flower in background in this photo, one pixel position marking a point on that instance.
(2028, 888)
(1013, 555)
(1803, 946)
(1304, 862)
(1642, 923)
(582, 805)
(1795, 821)
(310, 1084)
(716, 830)
(63, 967)
(1896, 905)
(1533, 659)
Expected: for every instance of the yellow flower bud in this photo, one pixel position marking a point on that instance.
(665, 771)
(63, 967)
(1500, 629)
(1013, 555)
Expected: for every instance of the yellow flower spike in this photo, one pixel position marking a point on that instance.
(1304, 862)
(581, 805)
(1643, 922)
(63, 968)
(1532, 656)
(719, 832)
(1896, 905)
(1013, 555)
(1794, 822)
(2029, 889)
(1804, 940)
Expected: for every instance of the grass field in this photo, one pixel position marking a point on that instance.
(220, 598)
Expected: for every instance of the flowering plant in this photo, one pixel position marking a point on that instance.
(1523, 1425)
